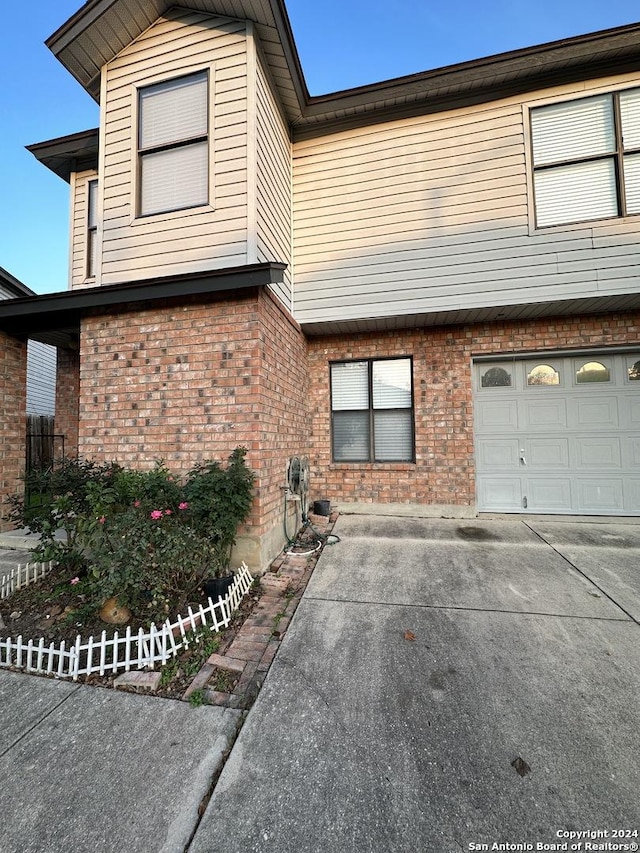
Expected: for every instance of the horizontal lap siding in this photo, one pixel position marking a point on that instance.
(41, 379)
(273, 199)
(191, 240)
(431, 214)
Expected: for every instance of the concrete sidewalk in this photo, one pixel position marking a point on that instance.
(445, 683)
(88, 770)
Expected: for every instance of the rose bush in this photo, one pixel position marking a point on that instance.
(146, 537)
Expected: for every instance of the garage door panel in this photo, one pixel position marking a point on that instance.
(547, 494)
(593, 413)
(630, 409)
(632, 496)
(539, 414)
(501, 494)
(598, 452)
(570, 447)
(495, 454)
(550, 453)
(631, 452)
(604, 495)
(494, 415)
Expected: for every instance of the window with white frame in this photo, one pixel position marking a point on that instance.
(173, 144)
(586, 158)
(372, 410)
(92, 228)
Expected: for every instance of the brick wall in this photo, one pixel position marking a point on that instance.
(67, 399)
(193, 382)
(283, 404)
(13, 425)
(444, 471)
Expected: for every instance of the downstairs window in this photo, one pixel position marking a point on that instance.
(372, 410)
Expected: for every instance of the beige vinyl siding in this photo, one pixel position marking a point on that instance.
(207, 237)
(432, 213)
(273, 191)
(41, 379)
(79, 226)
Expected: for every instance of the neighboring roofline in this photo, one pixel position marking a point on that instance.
(10, 282)
(62, 311)
(73, 153)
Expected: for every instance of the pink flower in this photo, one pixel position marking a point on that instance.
(102, 519)
(74, 581)
(183, 505)
(167, 512)
(156, 514)
(136, 503)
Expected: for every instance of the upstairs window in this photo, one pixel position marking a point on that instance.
(92, 228)
(372, 411)
(586, 158)
(173, 144)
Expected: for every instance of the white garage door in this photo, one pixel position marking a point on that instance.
(559, 435)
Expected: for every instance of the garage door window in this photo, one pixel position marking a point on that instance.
(496, 377)
(592, 371)
(634, 371)
(543, 374)
(372, 411)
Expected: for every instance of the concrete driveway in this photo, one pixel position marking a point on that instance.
(447, 685)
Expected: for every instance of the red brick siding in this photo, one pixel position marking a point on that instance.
(13, 419)
(67, 399)
(284, 422)
(193, 382)
(444, 472)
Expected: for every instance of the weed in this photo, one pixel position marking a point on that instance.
(202, 644)
(169, 672)
(223, 681)
(196, 699)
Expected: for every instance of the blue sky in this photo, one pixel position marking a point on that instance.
(342, 43)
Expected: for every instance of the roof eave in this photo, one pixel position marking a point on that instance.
(66, 154)
(89, 14)
(51, 312)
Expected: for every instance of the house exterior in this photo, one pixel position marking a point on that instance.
(427, 285)
(41, 358)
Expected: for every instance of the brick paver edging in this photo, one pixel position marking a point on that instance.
(252, 650)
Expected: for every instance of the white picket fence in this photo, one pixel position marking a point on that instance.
(23, 576)
(141, 650)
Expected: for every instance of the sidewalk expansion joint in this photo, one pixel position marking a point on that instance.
(39, 721)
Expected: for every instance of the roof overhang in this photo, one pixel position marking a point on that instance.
(615, 303)
(13, 285)
(66, 154)
(102, 28)
(54, 318)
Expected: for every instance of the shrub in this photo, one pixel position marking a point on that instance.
(144, 536)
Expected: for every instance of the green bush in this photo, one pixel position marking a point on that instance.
(143, 536)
